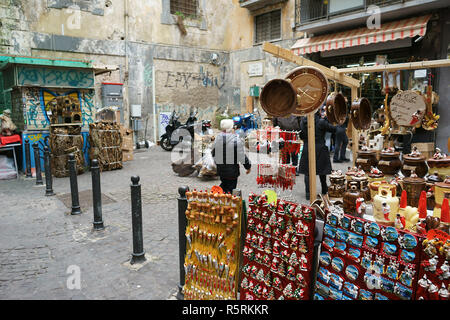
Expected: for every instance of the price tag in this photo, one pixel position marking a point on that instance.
(362, 160)
(384, 163)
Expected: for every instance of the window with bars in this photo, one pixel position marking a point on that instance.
(186, 7)
(268, 26)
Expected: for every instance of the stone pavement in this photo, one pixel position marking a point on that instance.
(40, 242)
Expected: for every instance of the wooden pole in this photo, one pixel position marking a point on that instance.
(397, 66)
(312, 156)
(355, 133)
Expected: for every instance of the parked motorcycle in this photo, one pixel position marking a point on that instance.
(168, 142)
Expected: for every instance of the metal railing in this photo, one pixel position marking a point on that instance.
(311, 10)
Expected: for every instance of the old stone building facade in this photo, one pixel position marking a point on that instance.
(169, 55)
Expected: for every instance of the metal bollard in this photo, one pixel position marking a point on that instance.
(37, 164)
(182, 223)
(136, 221)
(27, 159)
(74, 185)
(96, 195)
(48, 173)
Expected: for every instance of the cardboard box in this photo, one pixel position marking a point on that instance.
(127, 143)
(127, 156)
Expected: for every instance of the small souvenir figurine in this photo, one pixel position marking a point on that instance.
(431, 264)
(285, 240)
(267, 231)
(268, 279)
(276, 249)
(266, 260)
(293, 260)
(288, 291)
(282, 269)
(422, 290)
(421, 226)
(400, 222)
(268, 248)
(274, 266)
(360, 207)
(443, 272)
(290, 273)
(285, 255)
(277, 284)
(385, 209)
(303, 263)
(294, 242)
(443, 293)
(433, 292)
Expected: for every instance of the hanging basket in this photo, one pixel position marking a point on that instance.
(361, 114)
(278, 98)
(336, 108)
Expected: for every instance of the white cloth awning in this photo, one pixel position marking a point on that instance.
(363, 36)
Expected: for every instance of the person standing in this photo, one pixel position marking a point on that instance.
(291, 123)
(228, 152)
(323, 163)
(341, 143)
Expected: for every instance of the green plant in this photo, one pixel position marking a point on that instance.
(180, 14)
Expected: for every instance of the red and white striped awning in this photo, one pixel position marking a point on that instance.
(389, 31)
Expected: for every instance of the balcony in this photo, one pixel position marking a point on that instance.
(253, 5)
(318, 16)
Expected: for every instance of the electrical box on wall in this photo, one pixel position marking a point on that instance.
(136, 111)
(112, 96)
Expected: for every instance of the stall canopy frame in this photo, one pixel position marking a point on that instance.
(338, 76)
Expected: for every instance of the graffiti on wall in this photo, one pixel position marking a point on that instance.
(184, 110)
(36, 101)
(48, 77)
(188, 80)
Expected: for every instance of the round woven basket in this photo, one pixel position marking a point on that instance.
(278, 98)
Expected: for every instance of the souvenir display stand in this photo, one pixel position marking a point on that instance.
(387, 236)
(213, 245)
(278, 250)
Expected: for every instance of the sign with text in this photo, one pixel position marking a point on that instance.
(407, 108)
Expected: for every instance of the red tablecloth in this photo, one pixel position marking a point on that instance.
(10, 139)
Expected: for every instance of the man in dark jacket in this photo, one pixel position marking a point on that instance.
(323, 163)
(228, 152)
(341, 143)
(291, 123)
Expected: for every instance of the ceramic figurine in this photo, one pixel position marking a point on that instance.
(400, 222)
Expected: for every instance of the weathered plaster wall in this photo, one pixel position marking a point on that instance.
(97, 31)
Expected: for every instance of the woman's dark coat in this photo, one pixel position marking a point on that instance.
(323, 163)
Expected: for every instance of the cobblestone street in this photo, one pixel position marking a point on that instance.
(39, 239)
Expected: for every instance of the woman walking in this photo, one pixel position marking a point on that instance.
(323, 163)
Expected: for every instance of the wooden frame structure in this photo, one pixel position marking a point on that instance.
(338, 76)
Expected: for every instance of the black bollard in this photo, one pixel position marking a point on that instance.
(96, 195)
(136, 221)
(48, 173)
(182, 223)
(74, 185)
(27, 159)
(37, 164)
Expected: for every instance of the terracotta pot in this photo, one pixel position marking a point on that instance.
(413, 186)
(367, 159)
(361, 113)
(337, 186)
(415, 164)
(350, 199)
(375, 185)
(441, 166)
(390, 163)
(336, 108)
(278, 98)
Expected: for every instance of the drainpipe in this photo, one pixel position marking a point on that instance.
(126, 74)
(154, 104)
